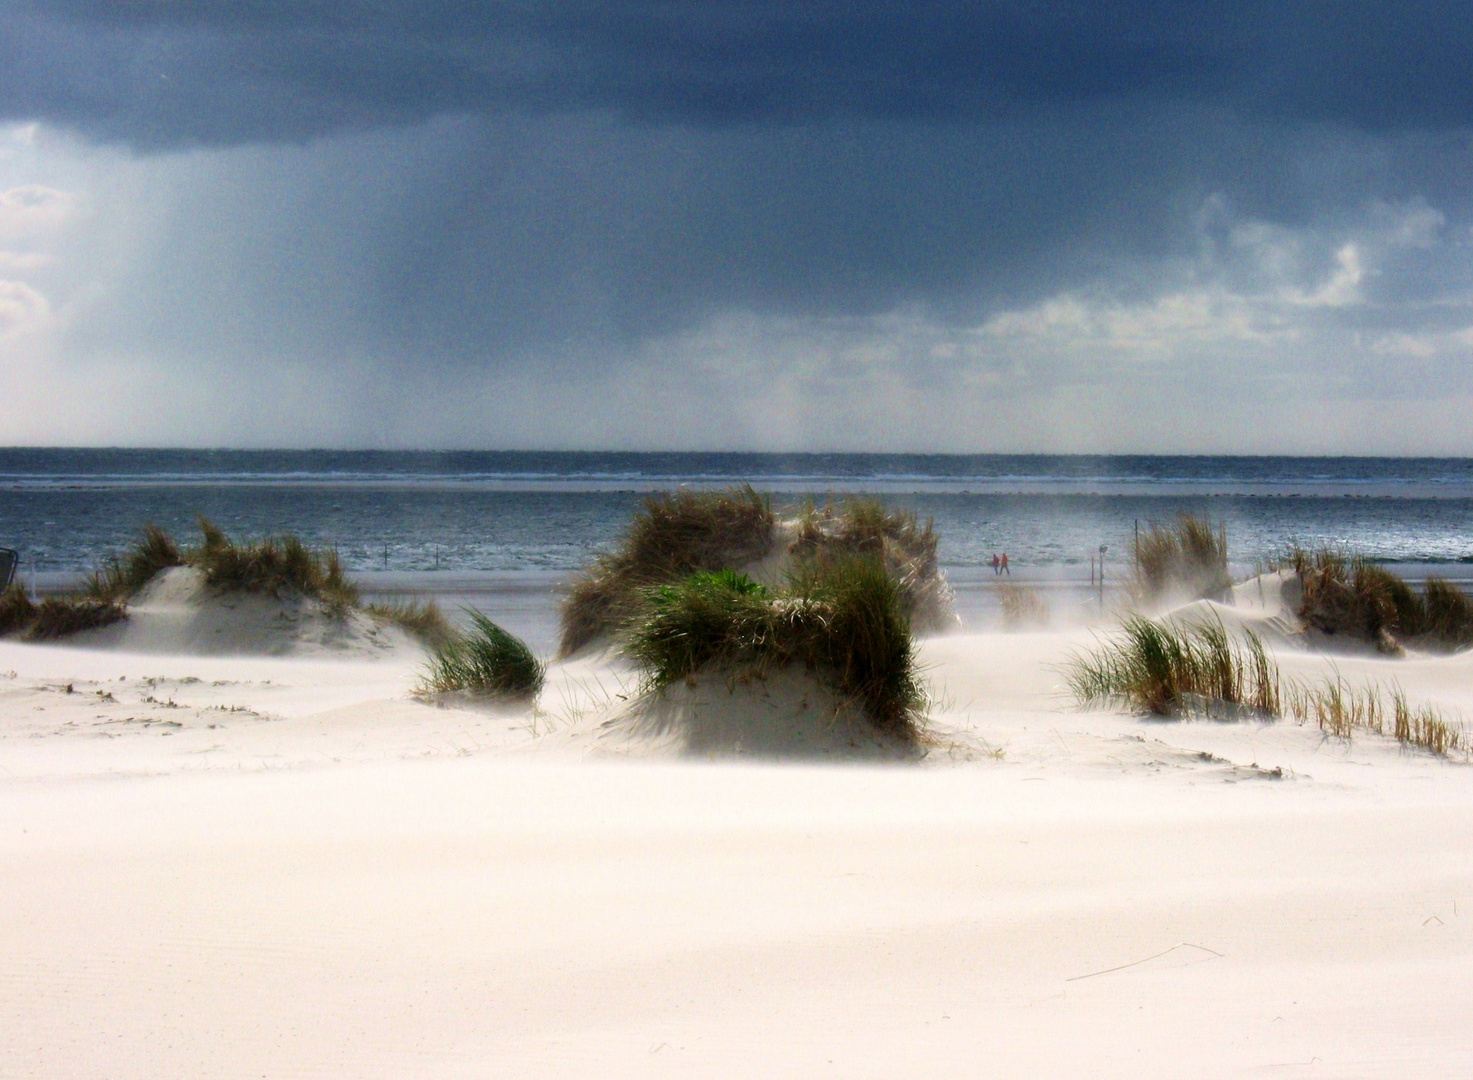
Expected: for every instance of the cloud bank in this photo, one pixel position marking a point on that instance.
(991, 226)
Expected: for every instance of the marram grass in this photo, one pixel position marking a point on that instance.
(673, 536)
(844, 619)
(486, 661)
(123, 576)
(1186, 557)
(275, 566)
(1174, 670)
(1169, 669)
(56, 616)
(1349, 595)
(422, 619)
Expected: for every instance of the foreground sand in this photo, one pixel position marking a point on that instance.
(289, 867)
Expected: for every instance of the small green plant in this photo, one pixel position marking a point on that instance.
(121, 578)
(674, 535)
(1186, 558)
(843, 618)
(486, 661)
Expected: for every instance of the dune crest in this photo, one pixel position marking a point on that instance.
(178, 612)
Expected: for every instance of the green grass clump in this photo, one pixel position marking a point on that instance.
(673, 536)
(907, 549)
(845, 619)
(1172, 670)
(123, 576)
(1185, 558)
(422, 619)
(17, 612)
(1349, 595)
(487, 661)
(1169, 669)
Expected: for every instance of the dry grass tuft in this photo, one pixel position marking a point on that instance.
(673, 536)
(843, 618)
(1350, 596)
(1023, 608)
(1186, 558)
(122, 577)
(59, 616)
(56, 616)
(16, 610)
(275, 566)
(1340, 710)
(488, 662)
(906, 548)
(421, 618)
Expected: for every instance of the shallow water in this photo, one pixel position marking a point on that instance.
(547, 512)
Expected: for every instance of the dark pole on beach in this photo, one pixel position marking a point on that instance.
(1103, 549)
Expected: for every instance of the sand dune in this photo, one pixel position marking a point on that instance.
(288, 865)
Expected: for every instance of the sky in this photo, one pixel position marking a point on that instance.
(1191, 227)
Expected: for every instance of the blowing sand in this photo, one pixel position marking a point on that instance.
(288, 865)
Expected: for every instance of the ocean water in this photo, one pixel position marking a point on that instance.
(544, 514)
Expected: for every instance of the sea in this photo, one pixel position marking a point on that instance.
(406, 520)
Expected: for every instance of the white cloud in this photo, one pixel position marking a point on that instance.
(34, 208)
(23, 310)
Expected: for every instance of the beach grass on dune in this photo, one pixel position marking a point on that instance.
(672, 536)
(485, 661)
(1186, 557)
(689, 532)
(1349, 595)
(908, 549)
(1341, 710)
(17, 611)
(62, 616)
(275, 566)
(121, 577)
(1167, 669)
(1023, 608)
(55, 616)
(843, 618)
(422, 619)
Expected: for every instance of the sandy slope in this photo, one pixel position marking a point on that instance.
(288, 866)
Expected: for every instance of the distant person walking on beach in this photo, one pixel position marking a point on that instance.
(996, 564)
(1003, 568)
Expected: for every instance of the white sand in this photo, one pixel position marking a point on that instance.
(287, 866)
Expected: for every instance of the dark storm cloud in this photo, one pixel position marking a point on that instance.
(165, 73)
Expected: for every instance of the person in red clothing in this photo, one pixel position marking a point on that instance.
(1004, 565)
(996, 565)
